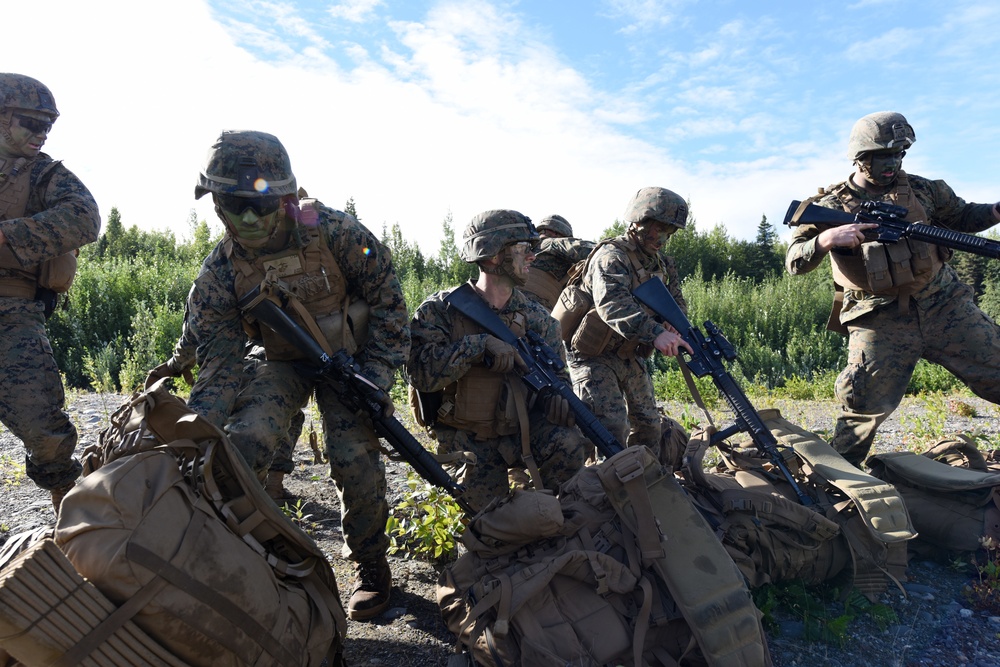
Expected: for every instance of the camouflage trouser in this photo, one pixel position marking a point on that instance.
(32, 396)
(946, 328)
(558, 453)
(282, 461)
(261, 418)
(620, 394)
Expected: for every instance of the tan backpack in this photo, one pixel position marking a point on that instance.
(619, 569)
(952, 492)
(171, 525)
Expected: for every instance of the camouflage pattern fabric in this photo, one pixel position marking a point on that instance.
(619, 391)
(257, 411)
(436, 362)
(61, 215)
(556, 256)
(943, 325)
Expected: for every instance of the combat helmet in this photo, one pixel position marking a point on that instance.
(490, 231)
(555, 223)
(18, 91)
(879, 131)
(246, 163)
(656, 205)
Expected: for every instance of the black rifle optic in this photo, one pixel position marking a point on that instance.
(891, 226)
(356, 392)
(544, 365)
(707, 360)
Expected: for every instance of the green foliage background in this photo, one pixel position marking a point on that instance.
(125, 310)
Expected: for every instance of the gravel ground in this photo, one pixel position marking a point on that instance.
(932, 628)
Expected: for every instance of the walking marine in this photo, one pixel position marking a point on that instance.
(46, 215)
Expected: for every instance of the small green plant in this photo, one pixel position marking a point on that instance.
(984, 594)
(296, 513)
(427, 522)
(961, 408)
(927, 424)
(11, 470)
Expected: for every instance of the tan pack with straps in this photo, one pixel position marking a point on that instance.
(620, 569)
(171, 525)
(952, 492)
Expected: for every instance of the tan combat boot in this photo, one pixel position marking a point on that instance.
(275, 487)
(372, 586)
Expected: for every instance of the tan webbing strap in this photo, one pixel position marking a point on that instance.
(517, 392)
(630, 474)
(76, 654)
(642, 620)
(693, 388)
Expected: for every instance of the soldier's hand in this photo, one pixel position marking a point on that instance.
(501, 357)
(670, 344)
(557, 411)
(168, 369)
(843, 236)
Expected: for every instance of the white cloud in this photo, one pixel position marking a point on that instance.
(355, 11)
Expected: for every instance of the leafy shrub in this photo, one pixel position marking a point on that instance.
(426, 522)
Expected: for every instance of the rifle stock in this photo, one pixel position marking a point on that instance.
(355, 391)
(543, 364)
(707, 360)
(891, 226)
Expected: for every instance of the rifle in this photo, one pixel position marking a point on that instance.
(707, 360)
(891, 226)
(343, 374)
(543, 364)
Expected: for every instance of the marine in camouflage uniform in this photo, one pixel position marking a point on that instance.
(306, 256)
(916, 309)
(46, 214)
(475, 377)
(608, 352)
(558, 251)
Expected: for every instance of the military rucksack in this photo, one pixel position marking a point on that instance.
(857, 525)
(952, 492)
(171, 525)
(619, 569)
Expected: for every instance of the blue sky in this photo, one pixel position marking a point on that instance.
(423, 108)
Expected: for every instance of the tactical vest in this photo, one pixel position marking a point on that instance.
(308, 277)
(593, 336)
(895, 269)
(482, 401)
(17, 280)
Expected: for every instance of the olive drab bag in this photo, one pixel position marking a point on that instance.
(952, 491)
(856, 527)
(619, 569)
(171, 525)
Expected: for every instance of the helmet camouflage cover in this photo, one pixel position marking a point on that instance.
(490, 231)
(18, 91)
(879, 131)
(557, 224)
(657, 205)
(246, 163)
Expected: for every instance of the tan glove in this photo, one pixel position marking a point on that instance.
(168, 369)
(558, 412)
(501, 357)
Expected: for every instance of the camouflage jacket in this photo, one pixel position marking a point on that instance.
(215, 322)
(609, 281)
(943, 208)
(436, 361)
(555, 256)
(61, 215)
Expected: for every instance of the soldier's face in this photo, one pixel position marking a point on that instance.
(521, 255)
(654, 235)
(882, 167)
(26, 134)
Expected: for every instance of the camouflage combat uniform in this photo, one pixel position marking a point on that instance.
(555, 257)
(438, 361)
(257, 410)
(939, 322)
(61, 216)
(616, 384)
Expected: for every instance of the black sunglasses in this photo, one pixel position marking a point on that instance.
(237, 205)
(35, 125)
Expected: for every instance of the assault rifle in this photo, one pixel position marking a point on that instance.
(356, 392)
(543, 364)
(891, 226)
(707, 360)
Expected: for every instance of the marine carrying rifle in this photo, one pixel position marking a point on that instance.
(891, 226)
(543, 364)
(356, 392)
(707, 360)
